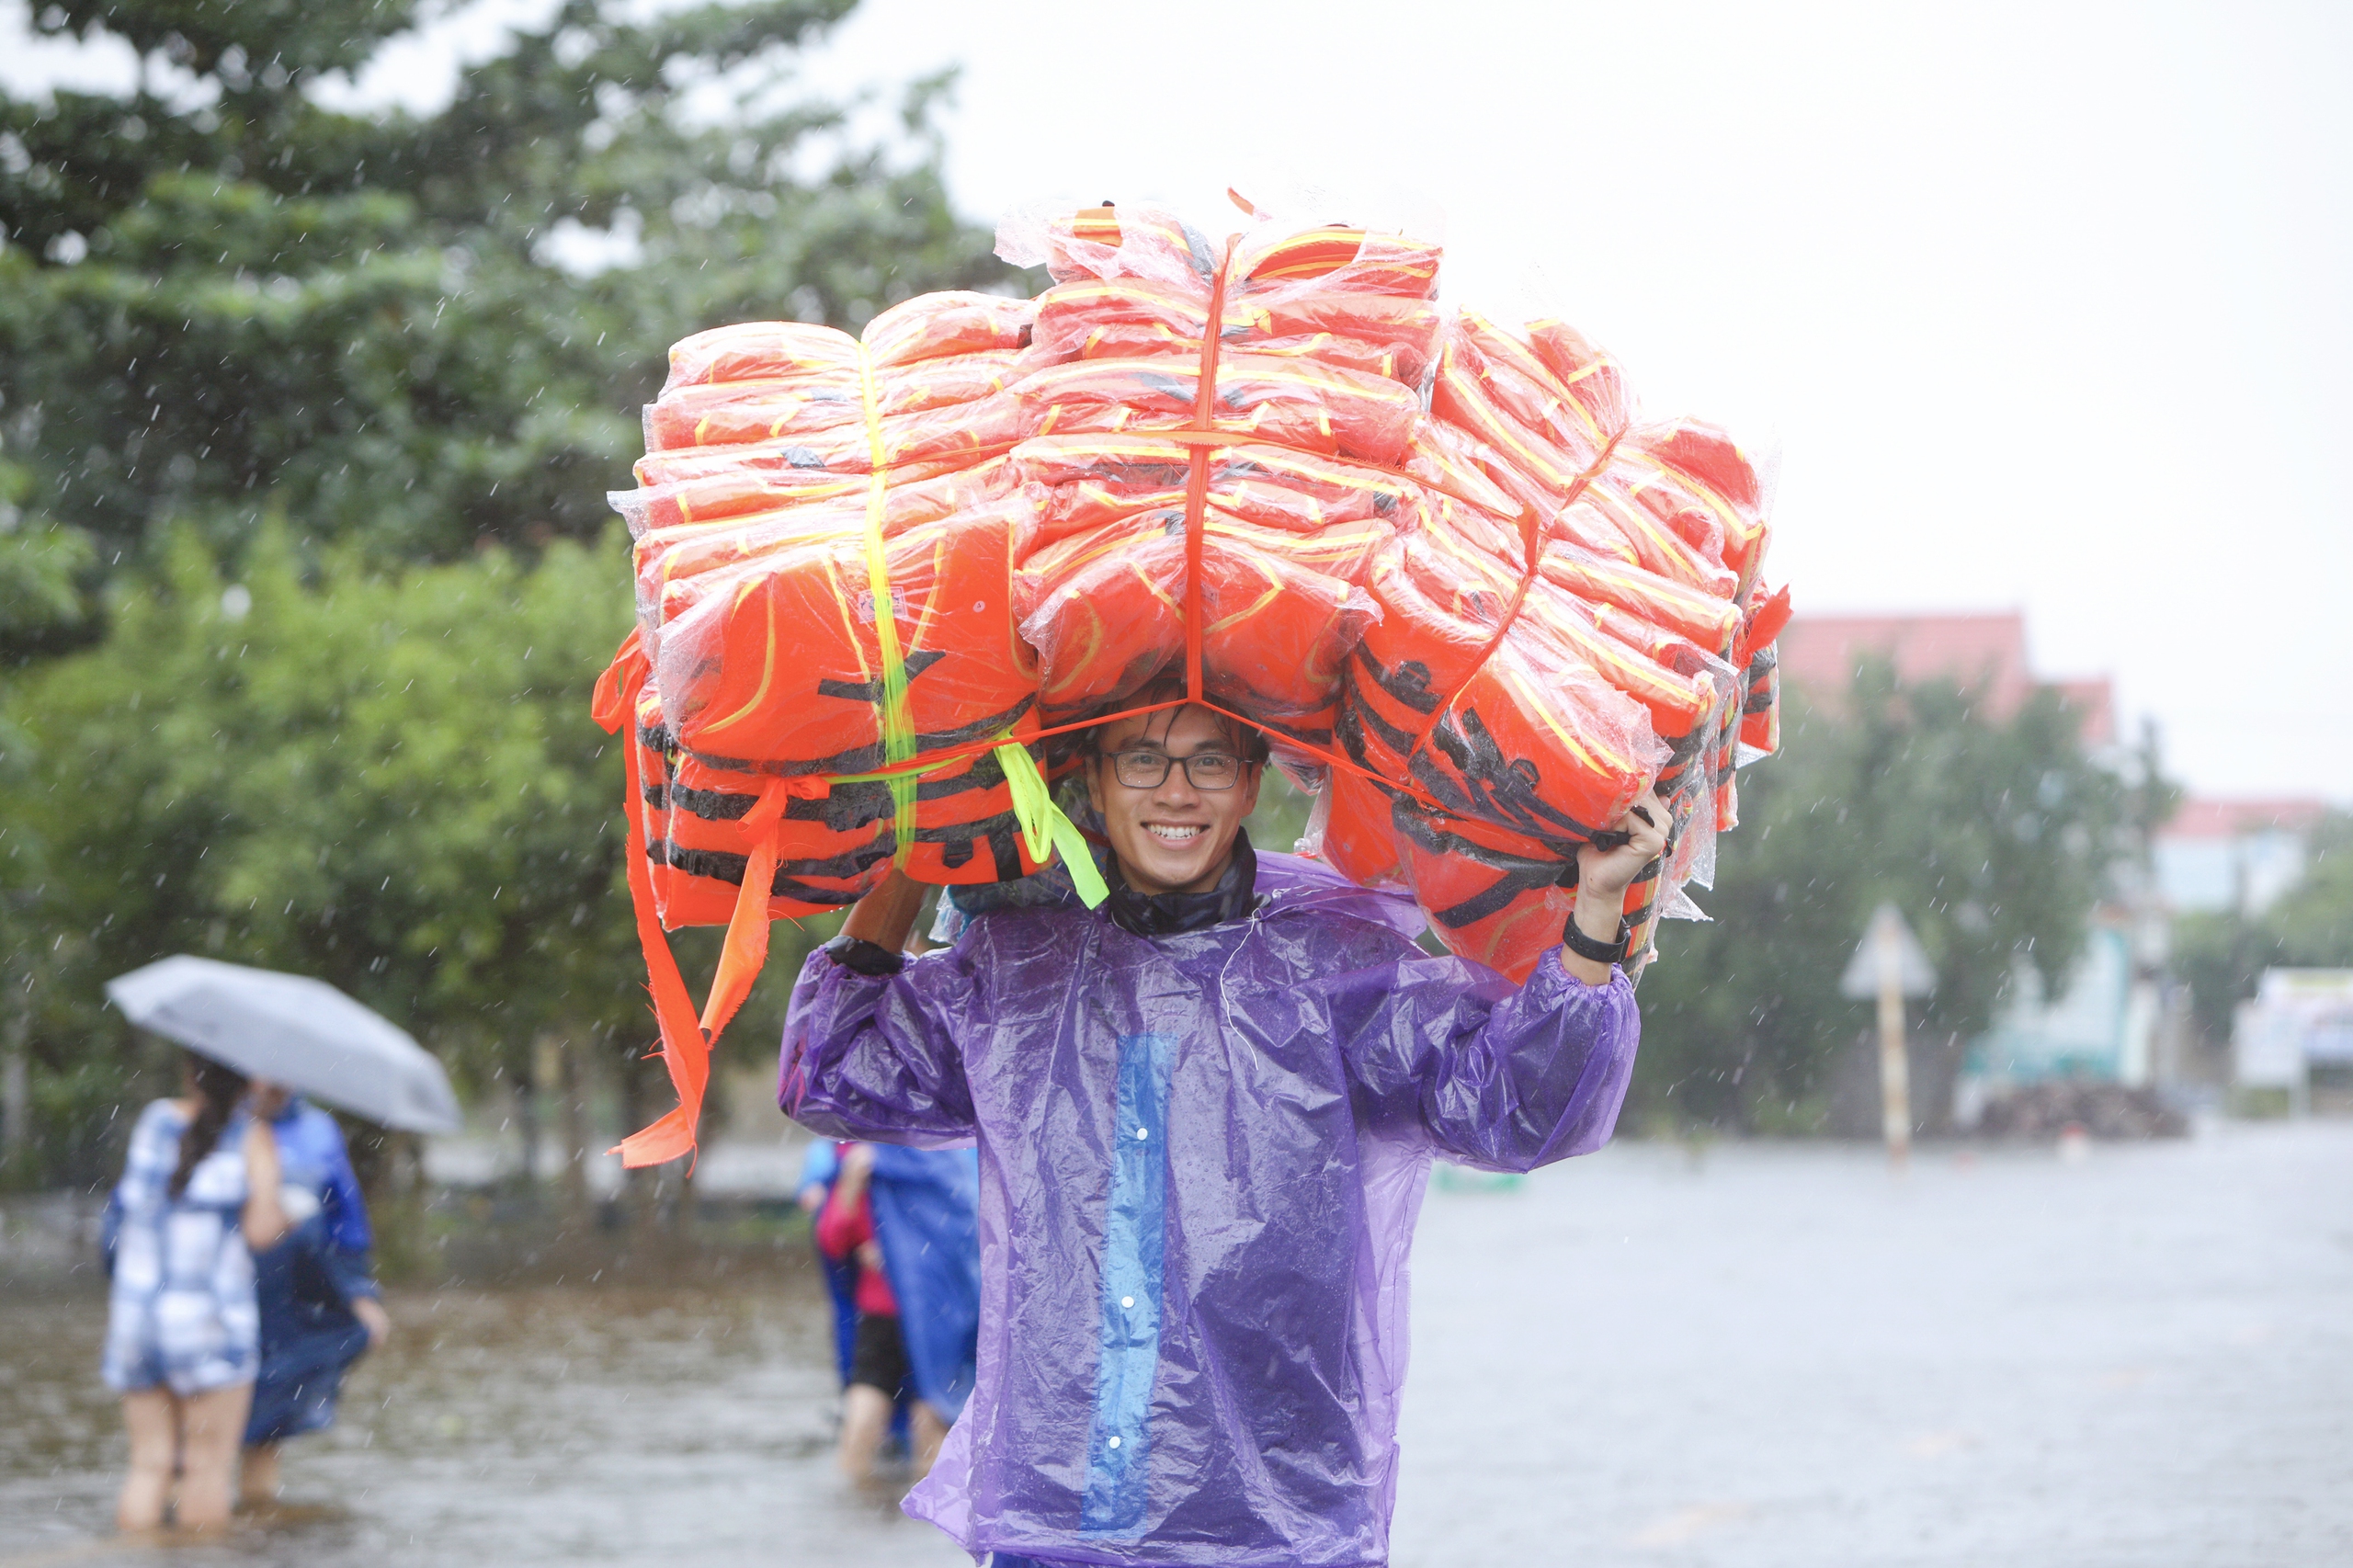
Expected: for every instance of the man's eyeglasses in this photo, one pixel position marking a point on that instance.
(1149, 769)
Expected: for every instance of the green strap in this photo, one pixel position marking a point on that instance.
(1044, 823)
(898, 729)
(1044, 826)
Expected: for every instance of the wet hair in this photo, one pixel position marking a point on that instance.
(218, 1090)
(1249, 744)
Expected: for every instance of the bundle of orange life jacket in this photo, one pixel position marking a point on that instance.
(1477, 604)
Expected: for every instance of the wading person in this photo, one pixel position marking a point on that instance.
(880, 1379)
(199, 1195)
(1205, 1113)
(896, 1236)
(316, 1288)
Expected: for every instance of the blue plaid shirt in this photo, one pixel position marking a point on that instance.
(181, 1313)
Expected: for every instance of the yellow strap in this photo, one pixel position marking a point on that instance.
(1044, 823)
(898, 729)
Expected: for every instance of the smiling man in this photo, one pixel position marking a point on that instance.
(1205, 1115)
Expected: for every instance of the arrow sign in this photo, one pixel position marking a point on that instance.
(1888, 942)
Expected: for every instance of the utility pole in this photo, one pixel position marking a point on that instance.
(16, 1096)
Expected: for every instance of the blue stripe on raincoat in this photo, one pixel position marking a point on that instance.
(1134, 1231)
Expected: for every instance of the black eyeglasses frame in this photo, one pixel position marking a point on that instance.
(1166, 762)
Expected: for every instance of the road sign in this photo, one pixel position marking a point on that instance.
(1888, 932)
(1891, 966)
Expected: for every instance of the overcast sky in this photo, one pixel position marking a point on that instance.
(2045, 307)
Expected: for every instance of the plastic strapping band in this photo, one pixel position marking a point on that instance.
(1045, 826)
(1196, 475)
(898, 731)
(1531, 531)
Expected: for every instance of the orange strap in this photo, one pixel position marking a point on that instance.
(686, 1049)
(1196, 476)
(1531, 535)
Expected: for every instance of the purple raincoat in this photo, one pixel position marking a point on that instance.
(1201, 1158)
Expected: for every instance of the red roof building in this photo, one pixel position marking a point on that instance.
(1983, 651)
(2238, 819)
(2238, 854)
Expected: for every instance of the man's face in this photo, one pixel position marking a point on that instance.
(268, 1098)
(1173, 837)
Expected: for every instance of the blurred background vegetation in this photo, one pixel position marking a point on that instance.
(306, 419)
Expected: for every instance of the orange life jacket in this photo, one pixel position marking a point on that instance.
(1490, 626)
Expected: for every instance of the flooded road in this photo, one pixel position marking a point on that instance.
(518, 1427)
(1749, 1357)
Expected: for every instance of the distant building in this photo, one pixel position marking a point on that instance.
(2299, 1024)
(1982, 653)
(2242, 854)
(2105, 1024)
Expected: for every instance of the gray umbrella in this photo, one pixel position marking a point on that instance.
(292, 1030)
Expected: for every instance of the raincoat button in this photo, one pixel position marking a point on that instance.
(1115, 1442)
(1127, 1301)
(1143, 1133)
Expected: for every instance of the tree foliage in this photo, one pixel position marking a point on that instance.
(306, 420)
(366, 780)
(388, 780)
(1994, 839)
(219, 297)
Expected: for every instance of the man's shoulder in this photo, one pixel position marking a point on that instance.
(1357, 920)
(999, 932)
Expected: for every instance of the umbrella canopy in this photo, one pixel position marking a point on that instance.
(300, 1033)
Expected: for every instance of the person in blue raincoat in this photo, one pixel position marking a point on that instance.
(321, 1309)
(1205, 1116)
(897, 1229)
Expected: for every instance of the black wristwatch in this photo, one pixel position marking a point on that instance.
(1586, 946)
(859, 956)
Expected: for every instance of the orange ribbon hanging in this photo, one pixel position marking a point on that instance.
(686, 1049)
(1197, 473)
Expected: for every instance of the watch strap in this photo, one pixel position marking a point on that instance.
(1584, 947)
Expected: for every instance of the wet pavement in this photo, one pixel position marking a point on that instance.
(1742, 1357)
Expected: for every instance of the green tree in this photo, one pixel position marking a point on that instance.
(306, 419)
(366, 780)
(219, 297)
(389, 780)
(2223, 954)
(1994, 839)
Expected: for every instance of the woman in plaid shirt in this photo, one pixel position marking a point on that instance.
(198, 1194)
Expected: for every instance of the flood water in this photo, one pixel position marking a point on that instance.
(1746, 1356)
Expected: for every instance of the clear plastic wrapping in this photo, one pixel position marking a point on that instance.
(778, 660)
(1280, 611)
(1477, 601)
